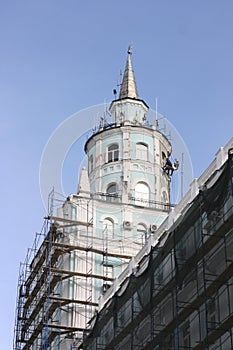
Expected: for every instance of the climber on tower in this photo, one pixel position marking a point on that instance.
(168, 167)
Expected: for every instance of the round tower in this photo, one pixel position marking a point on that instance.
(126, 157)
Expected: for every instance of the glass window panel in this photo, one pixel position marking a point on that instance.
(112, 195)
(113, 153)
(108, 228)
(141, 151)
(142, 194)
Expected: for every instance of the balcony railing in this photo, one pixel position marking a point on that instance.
(117, 198)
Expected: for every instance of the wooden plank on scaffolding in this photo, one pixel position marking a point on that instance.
(81, 274)
(91, 249)
(67, 328)
(74, 301)
(74, 222)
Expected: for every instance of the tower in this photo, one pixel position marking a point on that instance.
(125, 161)
(124, 194)
(122, 199)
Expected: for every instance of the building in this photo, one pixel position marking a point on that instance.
(122, 199)
(177, 293)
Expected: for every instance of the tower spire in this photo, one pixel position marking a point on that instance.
(128, 86)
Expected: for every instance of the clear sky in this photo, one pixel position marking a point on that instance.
(58, 57)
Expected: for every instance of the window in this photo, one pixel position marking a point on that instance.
(141, 233)
(113, 153)
(159, 275)
(142, 194)
(164, 199)
(211, 309)
(185, 336)
(73, 212)
(91, 163)
(108, 228)
(164, 157)
(112, 195)
(141, 151)
(169, 342)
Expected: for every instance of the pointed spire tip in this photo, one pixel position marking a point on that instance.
(128, 85)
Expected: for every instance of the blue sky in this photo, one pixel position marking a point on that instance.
(58, 57)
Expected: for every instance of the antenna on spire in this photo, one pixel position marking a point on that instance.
(156, 113)
(182, 176)
(118, 82)
(130, 49)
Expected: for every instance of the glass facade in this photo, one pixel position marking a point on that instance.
(184, 298)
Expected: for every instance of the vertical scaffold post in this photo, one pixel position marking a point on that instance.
(48, 274)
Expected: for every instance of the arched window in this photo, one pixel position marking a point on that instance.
(73, 212)
(141, 233)
(164, 157)
(91, 163)
(141, 151)
(108, 228)
(164, 199)
(113, 153)
(112, 192)
(142, 194)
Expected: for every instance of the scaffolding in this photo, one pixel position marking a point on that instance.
(54, 296)
(181, 294)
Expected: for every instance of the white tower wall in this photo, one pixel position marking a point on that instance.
(122, 198)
